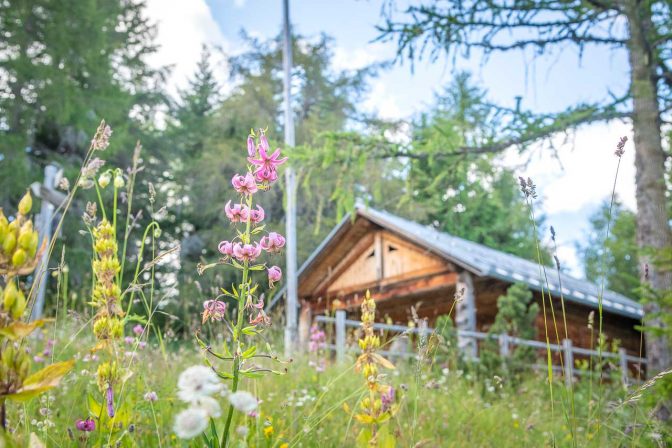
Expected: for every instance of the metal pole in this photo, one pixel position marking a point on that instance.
(44, 228)
(569, 361)
(340, 336)
(291, 332)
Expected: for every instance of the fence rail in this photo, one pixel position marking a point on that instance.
(566, 349)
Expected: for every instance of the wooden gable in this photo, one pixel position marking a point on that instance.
(385, 259)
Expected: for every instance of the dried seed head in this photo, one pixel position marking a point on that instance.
(620, 147)
(101, 140)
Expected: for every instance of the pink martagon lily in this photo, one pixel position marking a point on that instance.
(265, 162)
(244, 184)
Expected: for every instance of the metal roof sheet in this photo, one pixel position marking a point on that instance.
(488, 262)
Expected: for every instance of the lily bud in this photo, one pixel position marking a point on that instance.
(26, 203)
(104, 180)
(119, 182)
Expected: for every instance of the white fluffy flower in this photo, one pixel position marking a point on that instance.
(190, 423)
(197, 382)
(209, 405)
(243, 401)
(242, 431)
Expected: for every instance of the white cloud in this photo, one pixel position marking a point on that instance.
(349, 59)
(183, 27)
(381, 101)
(583, 173)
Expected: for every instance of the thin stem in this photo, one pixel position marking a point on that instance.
(100, 199)
(242, 300)
(114, 213)
(129, 202)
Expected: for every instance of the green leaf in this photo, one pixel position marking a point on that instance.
(249, 352)
(136, 318)
(42, 380)
(18, 329)
(250, 331)
(258, 267)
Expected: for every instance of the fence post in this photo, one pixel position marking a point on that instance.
(504, 345)
(340, 335)
(623, 361)
(568, 361)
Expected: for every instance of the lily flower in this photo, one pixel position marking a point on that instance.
(237, 212)
(213, 310)
(244, 184)
(257, 214)
(246, 252)
(273, 242)
(226, 248)
(266, 165)
(274, 275)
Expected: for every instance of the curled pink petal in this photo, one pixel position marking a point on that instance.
(244, 184)
(273, 242)
(226, 248)
(237, 212)
(257, 215)
(251, 149)
(274, 275)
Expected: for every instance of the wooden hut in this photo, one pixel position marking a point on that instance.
(405, 264)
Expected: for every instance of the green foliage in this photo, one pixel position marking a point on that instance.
(68, 64)
(516, 317)
(470, 196)
(616, 258)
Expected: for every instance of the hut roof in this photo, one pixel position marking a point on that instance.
(485, 262)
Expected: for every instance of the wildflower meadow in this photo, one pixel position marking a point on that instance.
(369, 224)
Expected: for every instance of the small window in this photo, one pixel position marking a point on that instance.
(372, 254)
(391, 248)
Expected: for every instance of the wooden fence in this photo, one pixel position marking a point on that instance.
(566, 349)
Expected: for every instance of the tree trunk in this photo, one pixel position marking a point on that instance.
(653, 232)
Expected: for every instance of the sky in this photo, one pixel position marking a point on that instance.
(572, 182)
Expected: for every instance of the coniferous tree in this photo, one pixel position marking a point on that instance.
(65, 66)
(516, 317)
(614, 259)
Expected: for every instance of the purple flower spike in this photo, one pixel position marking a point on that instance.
(110, 401)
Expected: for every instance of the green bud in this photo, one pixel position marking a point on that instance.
(4, 373)
(19, 306)
(19, 258)
(4, 224)
(24, 366)
(34, 240)
(9, 244)
(9, 296)
(104, 180)
(26, 203)
(119, 182)
(25, 235)
(8, 357)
